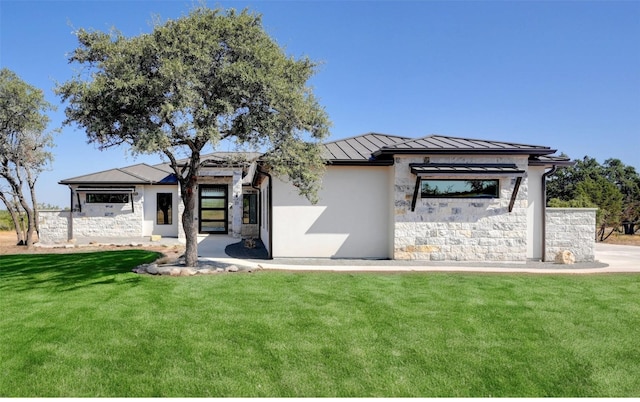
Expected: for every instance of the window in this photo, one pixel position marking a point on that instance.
(164, 208)
(443, 188)
(107, 198)
(250, 208)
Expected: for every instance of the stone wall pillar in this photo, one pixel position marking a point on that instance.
(572, 229)
(54, 226)
(236, 210)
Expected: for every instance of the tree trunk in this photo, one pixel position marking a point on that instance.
(188, 178)
(15, 217)
(30, 223)
(32, 189)
(189, 196)
(17, 184)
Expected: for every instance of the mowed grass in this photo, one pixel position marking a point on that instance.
(82, 325)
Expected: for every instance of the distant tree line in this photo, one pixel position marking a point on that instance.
(612, 187)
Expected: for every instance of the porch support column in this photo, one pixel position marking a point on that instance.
(236, 210)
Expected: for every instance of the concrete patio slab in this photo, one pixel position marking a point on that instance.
(609, 258)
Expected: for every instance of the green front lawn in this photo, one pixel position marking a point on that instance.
(83, 325)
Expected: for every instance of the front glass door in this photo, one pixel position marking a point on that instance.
(213, 209)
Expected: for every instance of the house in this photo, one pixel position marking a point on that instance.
(435, 198)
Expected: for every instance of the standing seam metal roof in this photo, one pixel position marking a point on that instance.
(359, 148)
(366, 148)
(135, 174)
(438, 143)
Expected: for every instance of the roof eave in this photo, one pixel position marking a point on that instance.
(551, 163)
(115, 183)
(463, 152)
(352, 162)
(100, 183)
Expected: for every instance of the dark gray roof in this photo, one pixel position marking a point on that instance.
(370, 148)
(157, 174)
(438, 144)
(359, 148)
(135, 174)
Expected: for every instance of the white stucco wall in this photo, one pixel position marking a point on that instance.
(460, 229)
(535, 213)
(150, 226)
(351, 220)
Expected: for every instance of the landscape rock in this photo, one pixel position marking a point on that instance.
(565, 257)
(164, 270)
(187, 272)
(177, 269)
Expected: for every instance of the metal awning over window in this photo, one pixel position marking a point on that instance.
(492, 169)
(463, 170)
(118, 190)
(107, 190)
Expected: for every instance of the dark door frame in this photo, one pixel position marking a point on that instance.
(225, 197)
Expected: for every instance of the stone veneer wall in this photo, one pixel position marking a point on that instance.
(454, 229)
(54, 226)
(95, 220)
(572, 229)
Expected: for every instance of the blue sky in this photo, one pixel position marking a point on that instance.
(561, 74)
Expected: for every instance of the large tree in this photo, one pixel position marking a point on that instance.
(207, 77)
(612, 187)
(24, 150)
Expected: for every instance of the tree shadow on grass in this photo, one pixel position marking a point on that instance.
(69, 271)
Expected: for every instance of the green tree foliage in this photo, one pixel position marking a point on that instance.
(24, 150)
(195, 81)
(612, 187)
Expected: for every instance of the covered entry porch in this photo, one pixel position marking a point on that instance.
(227, 204)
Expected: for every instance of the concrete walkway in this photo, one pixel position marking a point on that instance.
(211, 249)
(609, 258)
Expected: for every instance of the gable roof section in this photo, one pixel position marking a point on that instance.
(156, 174)
(358, 149)
(135, 174)
(438, 144)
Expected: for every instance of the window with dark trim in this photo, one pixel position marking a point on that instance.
(164, 208)
(107, 198)
(250, 208)
(458, 188)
